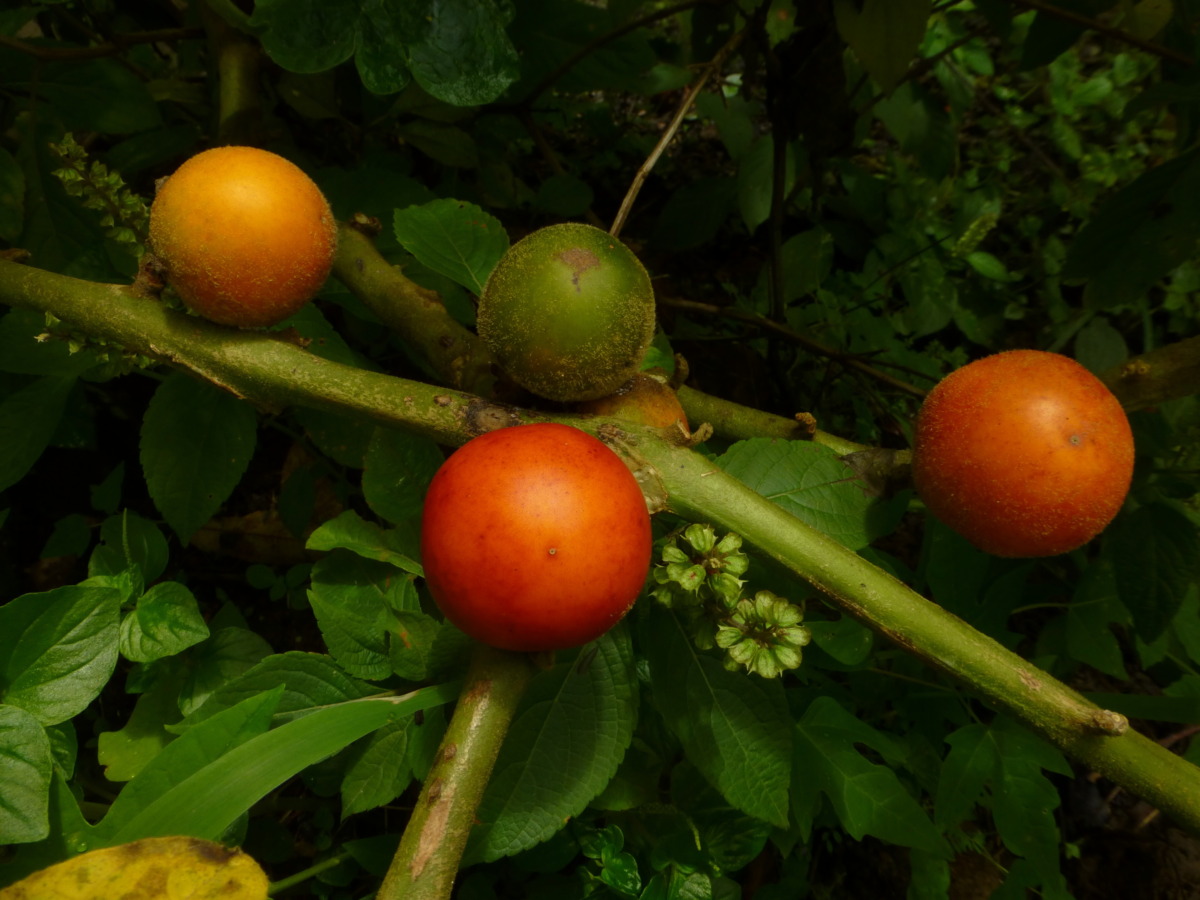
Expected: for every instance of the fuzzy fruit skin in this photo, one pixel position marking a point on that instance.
(535, 537)
(245, 236)
(1024, 453)
(642, 399)
(568, 312)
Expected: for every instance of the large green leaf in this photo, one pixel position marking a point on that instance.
(457, 50)
(355, 601)
(867, 797)
(308, 681)
(735, 728)
(308, 35)
(398, 468)
(1141, 233)
(350, 531)
(229, 767)
(57, 650)
(454, 238)
(379, 771)
(197, 441)
(564, 745)
(884, 34)
(807, 480)
(1155, 552)
(166, 621)
(28, 418)
(25, 771)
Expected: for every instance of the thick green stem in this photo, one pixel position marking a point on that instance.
(274, 372)
(737, 422)
(239, 106)
(1100, 739)
(416, 314)
(436, 835)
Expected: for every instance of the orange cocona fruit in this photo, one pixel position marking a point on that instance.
(568, 312)
(246, 238)
(643, 399)
(1024, 453)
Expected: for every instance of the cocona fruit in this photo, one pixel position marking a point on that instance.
(568, 312)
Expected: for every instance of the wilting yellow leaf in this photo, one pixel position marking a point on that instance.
(164, 868)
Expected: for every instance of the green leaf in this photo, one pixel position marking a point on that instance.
(351, 532)
(845, 639)
(1155, 553)
(1141, 233)
(206, 800)
(695, 212)
(28, 419)
(398, 468)
(735, 728)
(989, 266)
(1023, 798)
(885, 35)
(166, 621)
(379, 771)
(1090, 615)
(308, 35)
(413, 643)
(564, 745)
(97, 95)
(1099, 346)
(25, 770)
(964, 774)
(380, 59)
(128, 541)
(730, 838)
(550, 32)
(447, 144)
(22, 352)
(213, 663)
(756, 180)
(459, 50)
(196, 444)
(307, 681)
(185, 757)
(128, 750)
(867, 797)
(354, 601)
(454, 238)
(12, 199)
(57, 650)
(808, 481)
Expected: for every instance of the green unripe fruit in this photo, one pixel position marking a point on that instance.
(568, 312)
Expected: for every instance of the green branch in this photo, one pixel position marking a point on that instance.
(1099, 739)
(274, 372)
(436, 835)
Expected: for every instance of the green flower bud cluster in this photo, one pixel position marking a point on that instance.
(123, 214)
(974, 235)
(699, 579)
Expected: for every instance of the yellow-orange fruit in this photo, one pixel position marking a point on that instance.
(642, 399)
(245, 236)
(1024, 453)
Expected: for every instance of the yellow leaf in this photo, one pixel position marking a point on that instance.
(163, 868)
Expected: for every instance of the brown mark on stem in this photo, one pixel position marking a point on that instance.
(435, 828)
